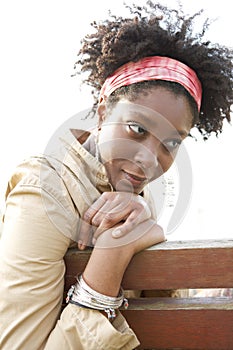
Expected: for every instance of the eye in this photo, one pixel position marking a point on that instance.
(172, 144)
(136, 128)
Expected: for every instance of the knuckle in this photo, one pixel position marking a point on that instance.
(107, 195)
(132, 219)
(87, 216)
(127, 228)
(139, 207)
(96, 220)
(109, 217)
(145, 207)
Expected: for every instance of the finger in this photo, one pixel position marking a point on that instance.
(85, 235)
(111, 219)
(121, 230)
(114, 204)
(110, 214)
(131, 216)
(94, 208)
(130, 223)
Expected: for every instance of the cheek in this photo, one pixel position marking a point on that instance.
(113, 148)
(166, 161)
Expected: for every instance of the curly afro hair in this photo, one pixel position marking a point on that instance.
(156, 30)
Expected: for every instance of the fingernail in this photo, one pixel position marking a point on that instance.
(116, 233)
(80, 244)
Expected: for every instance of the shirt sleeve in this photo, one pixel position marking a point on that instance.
(85, 329)
(32, 280)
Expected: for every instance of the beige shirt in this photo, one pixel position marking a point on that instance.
(46, 197)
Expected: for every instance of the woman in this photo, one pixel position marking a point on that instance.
(153, 80)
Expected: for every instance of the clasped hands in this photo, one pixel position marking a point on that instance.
(120, 211)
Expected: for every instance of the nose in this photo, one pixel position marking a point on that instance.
(147, 158)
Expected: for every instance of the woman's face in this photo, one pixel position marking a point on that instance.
(139, 140)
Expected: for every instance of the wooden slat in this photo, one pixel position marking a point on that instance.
(170, 265)
(171, 323)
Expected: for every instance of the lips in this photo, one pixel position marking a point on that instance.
(133, 178)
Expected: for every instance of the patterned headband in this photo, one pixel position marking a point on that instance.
(154, 68)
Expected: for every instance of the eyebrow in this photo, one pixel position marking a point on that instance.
(138, 114)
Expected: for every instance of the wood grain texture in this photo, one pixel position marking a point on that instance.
(196, 329)
(170, 265)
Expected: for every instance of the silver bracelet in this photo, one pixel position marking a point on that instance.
(83, 295)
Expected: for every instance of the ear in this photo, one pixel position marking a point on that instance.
(101, 113)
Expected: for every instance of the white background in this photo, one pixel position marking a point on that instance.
(39, 43)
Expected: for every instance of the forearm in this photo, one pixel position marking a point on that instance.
(110, 257)
(105, 269)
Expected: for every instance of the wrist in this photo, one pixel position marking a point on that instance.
(82, 295)
(104, 270)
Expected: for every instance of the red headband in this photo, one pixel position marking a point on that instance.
(154, 68)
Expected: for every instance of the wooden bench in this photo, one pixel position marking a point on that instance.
(176, 323)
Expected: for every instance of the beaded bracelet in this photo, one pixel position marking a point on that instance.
(83, 295)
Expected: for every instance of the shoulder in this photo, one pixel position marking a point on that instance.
(39, 176)
(37, 187)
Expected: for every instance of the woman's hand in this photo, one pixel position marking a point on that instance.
(124, 209)
(110, 257)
